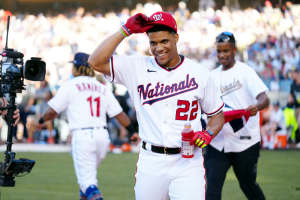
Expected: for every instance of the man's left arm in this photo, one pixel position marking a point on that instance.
(214, 125)
(212, 105)
(263, 101)
(257, 89)
(124, 120)
(49, 115)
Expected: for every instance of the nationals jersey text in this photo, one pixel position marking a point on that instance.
(162, 91)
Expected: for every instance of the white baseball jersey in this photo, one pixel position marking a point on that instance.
(165, 100)
(86, 101)
(239, 87)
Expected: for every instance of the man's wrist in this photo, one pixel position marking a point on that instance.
(130, 128)
(210, 132)
(124, 30)
(257, 107)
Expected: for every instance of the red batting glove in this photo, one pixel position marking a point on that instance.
(138, 23)
(202, 138)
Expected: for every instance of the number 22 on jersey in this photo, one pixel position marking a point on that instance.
(182, 113)
(94, 102)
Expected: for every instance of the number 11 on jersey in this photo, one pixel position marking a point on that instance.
(97, 102)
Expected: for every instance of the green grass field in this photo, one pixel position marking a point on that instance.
(53, 178)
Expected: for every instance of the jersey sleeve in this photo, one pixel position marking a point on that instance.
(61, 100)
(254, 83)
(211, 103)
(114, 107)
(123, 68)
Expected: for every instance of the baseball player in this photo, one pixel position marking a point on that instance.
(237, 144)
(86, 102)
(168, 91)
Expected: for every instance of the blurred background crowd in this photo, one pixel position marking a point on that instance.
(268, 39)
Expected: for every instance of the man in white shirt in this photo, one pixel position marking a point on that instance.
(238, 143)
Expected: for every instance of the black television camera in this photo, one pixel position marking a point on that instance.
(12, 77)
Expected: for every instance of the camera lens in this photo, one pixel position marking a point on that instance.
(35, 70)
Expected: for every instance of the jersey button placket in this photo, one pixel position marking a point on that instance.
(165, 106)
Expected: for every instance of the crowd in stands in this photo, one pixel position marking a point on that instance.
(268, 38)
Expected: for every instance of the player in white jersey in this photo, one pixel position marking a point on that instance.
(86, 102)
(168, 91)
(237, 144)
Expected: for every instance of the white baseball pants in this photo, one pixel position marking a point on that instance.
(89, 148)
(163, 177)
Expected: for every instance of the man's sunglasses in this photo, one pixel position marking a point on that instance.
(225, 37)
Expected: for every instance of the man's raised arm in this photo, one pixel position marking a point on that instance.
(99, 59)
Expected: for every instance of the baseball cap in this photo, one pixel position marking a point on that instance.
(163, 19)
(80, 59)
(225, 37)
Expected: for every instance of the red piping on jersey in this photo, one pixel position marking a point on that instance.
(209, 114)
(112, 68)
(182, 59)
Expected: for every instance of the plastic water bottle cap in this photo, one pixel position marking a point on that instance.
(187, 125)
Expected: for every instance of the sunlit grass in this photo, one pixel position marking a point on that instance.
(53, 178)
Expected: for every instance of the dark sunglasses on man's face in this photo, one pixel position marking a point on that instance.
(225, 37)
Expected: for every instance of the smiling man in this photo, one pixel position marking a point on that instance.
(237, 144)
(168, 91)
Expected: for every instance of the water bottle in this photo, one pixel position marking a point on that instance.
(187, 134)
